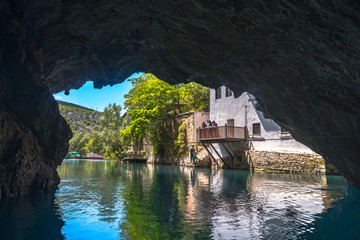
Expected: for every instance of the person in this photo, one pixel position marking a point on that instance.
(214, 124)
(210, 123)
(203, 125)
(216, 130)
(195, 158)
(192, 153)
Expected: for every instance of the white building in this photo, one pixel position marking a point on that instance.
(262, 134)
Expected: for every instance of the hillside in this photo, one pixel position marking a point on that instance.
(80, 119)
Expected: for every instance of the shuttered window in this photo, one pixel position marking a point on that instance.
(256, 129)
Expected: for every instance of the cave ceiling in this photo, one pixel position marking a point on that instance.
(301, 59)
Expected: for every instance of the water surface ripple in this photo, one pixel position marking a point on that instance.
(111, 200)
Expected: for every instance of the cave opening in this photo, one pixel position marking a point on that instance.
(253, 131)
(299, 58)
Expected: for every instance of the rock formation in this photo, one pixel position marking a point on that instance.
(301, 59)
(33, 135)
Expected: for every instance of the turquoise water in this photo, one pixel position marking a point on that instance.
(100, 199)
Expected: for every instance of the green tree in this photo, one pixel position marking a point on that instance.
(104, 138)
(149, 102)
(78, 143)
(96, 143)
(196, 97)
(111, 126)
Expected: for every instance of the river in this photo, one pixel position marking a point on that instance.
(99, 199)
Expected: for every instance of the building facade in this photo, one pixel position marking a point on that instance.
(263, 134)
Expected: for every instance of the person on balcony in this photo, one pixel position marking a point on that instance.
(214, 124)
(216, 132)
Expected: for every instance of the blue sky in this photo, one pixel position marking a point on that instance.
(97, 99)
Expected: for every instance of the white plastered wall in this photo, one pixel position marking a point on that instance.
(243, 111)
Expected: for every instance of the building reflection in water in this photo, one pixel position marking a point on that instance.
(140, 201)
(252, 205)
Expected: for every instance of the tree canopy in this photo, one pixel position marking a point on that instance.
(152, 101)
(105, 139)
(150, 104)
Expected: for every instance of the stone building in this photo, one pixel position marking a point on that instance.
(262, 133)
(193, 121)
(246, 139)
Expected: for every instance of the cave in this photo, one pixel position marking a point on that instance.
(299, 58)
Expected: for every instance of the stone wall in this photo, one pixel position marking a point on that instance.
(192, 121)
(288, 162)
(188, 119)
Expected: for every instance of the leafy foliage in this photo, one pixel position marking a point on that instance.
(111, 125)
(150, 103)
(94, 131)
(180, 142)
(79, 142)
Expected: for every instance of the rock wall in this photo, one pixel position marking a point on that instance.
(33, 135)
(287, 162)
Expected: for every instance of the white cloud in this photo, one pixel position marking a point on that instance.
(58, 97)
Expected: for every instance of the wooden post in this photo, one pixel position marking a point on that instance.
(199, 134)
(227, 149)
(232, 148)
(210, 154)
(217, 153)
(225, 130)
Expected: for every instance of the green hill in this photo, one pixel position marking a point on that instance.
(80, 119)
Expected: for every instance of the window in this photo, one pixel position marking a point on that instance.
(218, 93)
(256, 129)
(228, 92)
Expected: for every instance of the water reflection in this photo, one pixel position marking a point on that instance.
(30, 217)
(109, 200)
(139, 201)
(90, 199)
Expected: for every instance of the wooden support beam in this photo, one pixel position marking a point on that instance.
(222, 144)
(217, 164)
(217, 153)
(233, 149)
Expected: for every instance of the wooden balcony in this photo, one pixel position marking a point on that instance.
(222, 134)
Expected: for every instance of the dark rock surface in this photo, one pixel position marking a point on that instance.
(33, 135)
(301, 59)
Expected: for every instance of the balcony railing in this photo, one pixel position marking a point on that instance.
(230, 133)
